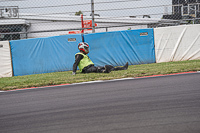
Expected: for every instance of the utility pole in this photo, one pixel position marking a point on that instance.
(92, 9)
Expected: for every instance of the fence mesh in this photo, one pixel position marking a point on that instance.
(21, 19)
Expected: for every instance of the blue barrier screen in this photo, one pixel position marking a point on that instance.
(117, 48)
(44, 55)
(53, 54)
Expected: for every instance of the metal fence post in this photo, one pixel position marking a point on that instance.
(92, 9)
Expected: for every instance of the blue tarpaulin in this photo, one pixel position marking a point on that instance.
(44, 55)
(117, 48)
(53, 54)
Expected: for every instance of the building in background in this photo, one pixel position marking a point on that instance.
(187, 10)
(13, 29)
(15, 25)
(33, 26)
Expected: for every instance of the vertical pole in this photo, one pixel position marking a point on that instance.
(92, 9)
(82, 31)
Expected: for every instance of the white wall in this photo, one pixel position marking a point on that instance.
(37, 25)
(5, 60)
(177, 43)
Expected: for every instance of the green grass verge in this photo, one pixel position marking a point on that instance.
(56, 78)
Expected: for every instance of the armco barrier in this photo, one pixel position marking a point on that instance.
(44, 55)
(52, 54)
(117, 48)
(177, 43)
(5, 60)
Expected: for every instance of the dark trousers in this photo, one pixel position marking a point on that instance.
(93, 69)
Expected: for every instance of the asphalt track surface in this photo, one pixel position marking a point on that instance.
(169, 104)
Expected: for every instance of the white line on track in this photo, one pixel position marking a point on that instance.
(89, 82)
(99, 81)
(118, 79)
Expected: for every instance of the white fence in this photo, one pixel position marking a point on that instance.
(5, 59)
(177, 43)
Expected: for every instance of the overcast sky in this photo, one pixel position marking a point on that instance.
(139, 7)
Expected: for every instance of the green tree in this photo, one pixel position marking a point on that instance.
(78, 13)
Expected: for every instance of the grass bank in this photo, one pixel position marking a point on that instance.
(56, 78)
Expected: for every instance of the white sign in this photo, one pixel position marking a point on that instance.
(9, 12)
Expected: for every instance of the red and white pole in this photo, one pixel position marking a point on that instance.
(82, 23)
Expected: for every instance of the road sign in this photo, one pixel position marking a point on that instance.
(85, 24)
(88, 24)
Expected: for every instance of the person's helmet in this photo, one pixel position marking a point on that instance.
(83, 46)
